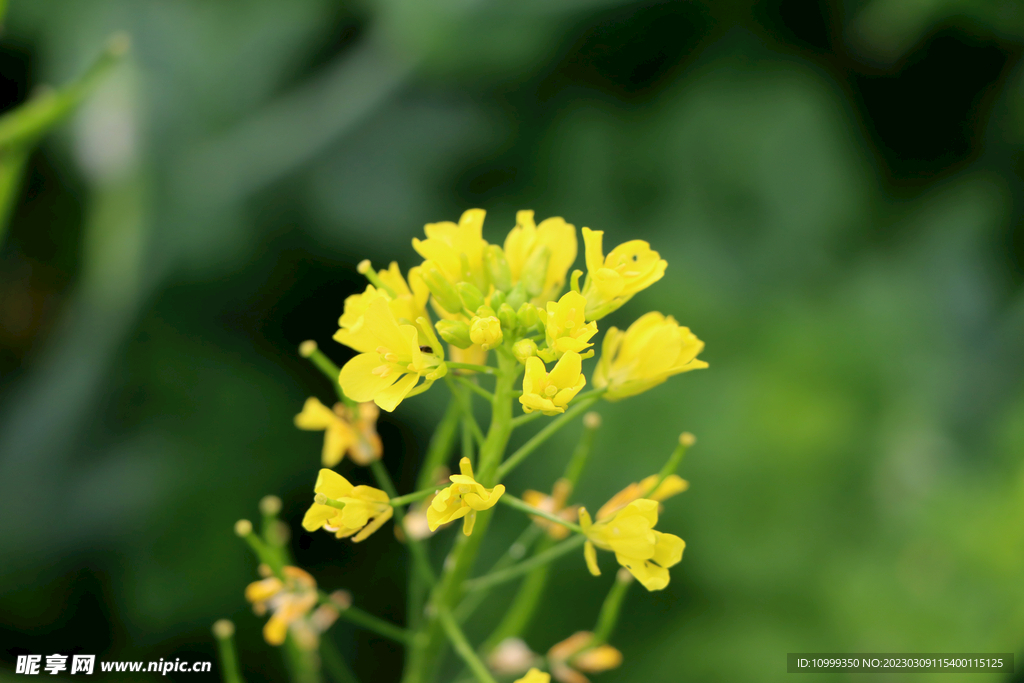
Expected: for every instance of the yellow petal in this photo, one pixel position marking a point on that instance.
(275, 630)
(389, 398)
(668, 549)
(316, 515)
(358, 380)
(566, 372)
(468, 522)
(338, 438)
(315, 415)
(590, 554)
(598, 659)
(377, 523)
(535, 676)
(263, 590)
(332, 484)
(594, 253)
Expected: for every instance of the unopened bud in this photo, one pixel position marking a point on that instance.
(364, 266)
(497, 267)
(511, 657)
(623, 575)
(535, 271)
(243, 527)
(270, 505)
(223, 629)
(523, 349)
(342, 599)
(486, 332)
(442, 290)
(307, 348)
(516, 296)
(687, 439)
(527, 315)
(507, 316)
(320, 499)
(592, 420)
(455, 332)
(471, 296)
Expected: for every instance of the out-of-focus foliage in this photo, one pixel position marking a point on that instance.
(857, 481)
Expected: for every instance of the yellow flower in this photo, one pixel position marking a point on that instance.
(551, 246)
(457, 250)
(673, 484)
(342, 432)
(574, 654)
(613, 280)
(387, 374)
(650, 351)
(550, 392)
(365, 510)
(289, 602)
(535, 676)
(630, 534)
(486, 332)
(407, 302)
(464, 498)
(554, 504)
(565, 328)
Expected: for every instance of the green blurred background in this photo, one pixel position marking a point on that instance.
(834, 185)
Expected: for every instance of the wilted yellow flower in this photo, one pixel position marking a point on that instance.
(550, 392)
(289, 602)
(510, 657)
(574, 655)
(613, 280)
(464, 498)
(555, 505)
(457, 250)
(387, 374)
(343, 431)
(565, 327)
(365, 510)
(650, 351)
(672, 485)
(541, 255)
(534, 676)
(630, 534)
(486, 332)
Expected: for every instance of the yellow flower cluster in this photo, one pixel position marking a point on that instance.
(508, 299)
(462, 500)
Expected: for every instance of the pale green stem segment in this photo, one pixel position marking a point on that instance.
(463, 647)
(591, 422)
(224, 632)
(429, 643)
(468, 421)
(516, 551)
(368, 621)
(335, 665)
(416, 548)
(543, 435)
(365, 268)
(309, 350)
(513, 502)
(303, 665)
(412, 497)
(672, 464)
(538, 560)
(473, 386)
(482, 369)
(264, 553)
(22, 128)
(526, 419)
(610, 609)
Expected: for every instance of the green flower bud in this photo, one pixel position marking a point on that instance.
(485, 311)
(523, 349)
(516, 296)
(455, 332)
(527, 315)
(471, 296)
(486, 332)
(507, 316)
(497, 267)
(497, 299)
(442, 290)
(535, 271)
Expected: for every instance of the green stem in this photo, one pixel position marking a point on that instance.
(303, 665)
(483, 369)
(610, 609)
(513, 502)
(474, 387)
(520, 611)
(526, 419)
(429, 643)
(264, 553)
(538, 560)
(412, 497)
(672, 464)
(224, 631)
(543, 435)
(516, 551)
(468, 421)
(463, 647)
(368, 621)
(585, 446)
(309, 350)
(416, 548)
(440, 445)
(335, 664)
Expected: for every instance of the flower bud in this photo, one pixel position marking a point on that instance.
(535, 271)
(486, 332)
(507, 316)
(442, 290)
(471, 296)
(455, 332)
(523, 349)
(497, 267)
(527, 315)
(516, 296)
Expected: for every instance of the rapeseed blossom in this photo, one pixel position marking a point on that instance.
(612, 280)
(463, 499)
(288, 601)
(550, 392)
(358, 511)
(574, 655)
(345, 431)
